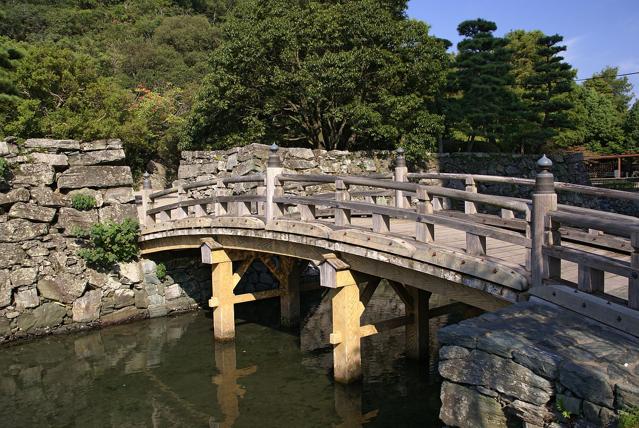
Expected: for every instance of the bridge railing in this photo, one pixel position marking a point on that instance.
(549, 233)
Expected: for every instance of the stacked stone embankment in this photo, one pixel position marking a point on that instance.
(44, 285)
(538, 364)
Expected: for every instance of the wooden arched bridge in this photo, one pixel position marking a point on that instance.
(483, 250)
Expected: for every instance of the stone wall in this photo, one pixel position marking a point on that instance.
(44, 285)
(531, 362)
(251, 159)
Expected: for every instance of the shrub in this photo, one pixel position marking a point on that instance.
(160, 271)
(83, 202)
(629, 418)
(110, 243)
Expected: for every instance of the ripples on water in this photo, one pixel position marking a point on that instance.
(169, 372)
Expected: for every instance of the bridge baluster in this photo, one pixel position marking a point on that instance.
(425, 232)
(307, 212)
(147, 203)
(179, 212)
(633, 281)
(381, 223)
(220, 208)
(273, 185)
(342, 215)
(470, 207)
(401, 175)
(259, 206)
(544, 200)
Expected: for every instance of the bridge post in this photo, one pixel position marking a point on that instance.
(401, 174)
(220, 208)
(273, 169)
(347, 310)
(633, 281)
(418, 331)
(544, 199)
(425, 232)
(147, 203)
(290, 297)
(223, 283)
(342, 216)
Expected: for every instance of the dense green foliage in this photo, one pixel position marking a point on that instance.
(111, 243)
(327, 75)
(629, 418)
(347, 74)
(160, 271)
(83, 202)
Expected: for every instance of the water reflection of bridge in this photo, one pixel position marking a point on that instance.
(483, 250)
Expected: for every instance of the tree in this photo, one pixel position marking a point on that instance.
(631, 129)
(619, 89)
(546, 91)
(483, 76)
(321, 74)
(603, 125)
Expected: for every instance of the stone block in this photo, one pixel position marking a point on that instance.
(122, 315)
(180, 304)
(33, 174)
(299, 164)
(55, 160)
(569, 404)
(626, 396)
(465, 408)
(458, 334)
(11, 254)
(97, 279)
(46, 197)
(18, 230)
(591, 411)
(51, 144)
(543, 363)
(98, 157)
(172, 292)
(32, 212)
(530, 414)
(118, 195)
(131, 271)
(156, 311)
(123, 298)
(78, 177)
(148, 266)
(65, 287)
(109, 144)
(300, 153)
(26, 297)
(70, 219)
(87, 308)
(5, 289)
(453, 352)
(49, 315)
(156, 299)
(587, 382)
(118, 213)
(499, 374)
(13, 196)
(141, 299)
(23, 276)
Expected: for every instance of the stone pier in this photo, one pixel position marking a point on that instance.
(539, 365)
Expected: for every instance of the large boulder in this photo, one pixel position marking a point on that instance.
(32, 212)
(131, 271)
(118, 213)
(97, 157)
(15, 195)
(33, 174)
(87, 307)
(122, 315)
(5, 289)
(466, 408)
(123, 298)
(26, 297)
(18, 230)
(64, 288)
(70, 219)
(78, 177)
(52, 145)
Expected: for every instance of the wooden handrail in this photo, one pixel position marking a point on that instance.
(606, 225)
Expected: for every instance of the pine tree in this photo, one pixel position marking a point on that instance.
(483, 77)
(546, 91)
(619, 89)
(631, 129)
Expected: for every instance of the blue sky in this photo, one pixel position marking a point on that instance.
(597, 32)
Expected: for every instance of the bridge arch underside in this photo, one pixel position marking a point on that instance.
(432, 268)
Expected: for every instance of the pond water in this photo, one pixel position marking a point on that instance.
(169, 372)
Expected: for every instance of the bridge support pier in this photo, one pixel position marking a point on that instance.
(223, 300)
(290, 297)
(417, 330)
(346, 314)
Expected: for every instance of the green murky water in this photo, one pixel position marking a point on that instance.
(169, 372)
